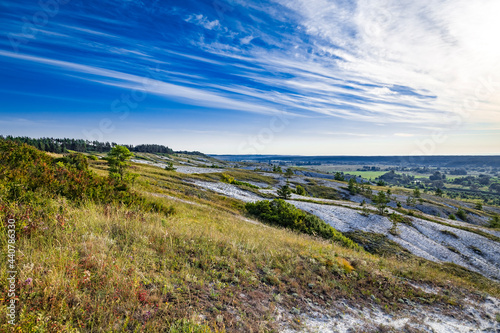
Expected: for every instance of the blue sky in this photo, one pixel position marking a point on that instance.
(308, 77)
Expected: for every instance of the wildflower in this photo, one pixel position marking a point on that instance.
(28, 281)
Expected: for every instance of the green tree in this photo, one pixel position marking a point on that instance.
(439, 192)
(411, 201)
(170, 166)
(284, 192)
(416, 192)
(381, 200)
(277, 168)
(339, 176)
(117, 160)
(353, 186)
(289, 173)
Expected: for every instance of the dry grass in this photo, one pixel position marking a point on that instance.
(108, 268)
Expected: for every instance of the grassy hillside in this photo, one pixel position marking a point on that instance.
(164, 256)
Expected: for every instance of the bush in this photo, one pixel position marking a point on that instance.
(27, 174)
(452, 217)
(170, 167)
(494, 222)
(230, 180)
(397, 218)
(281, 213)
(449, 233)
(300, 190)
(411, 201)
(462, 214)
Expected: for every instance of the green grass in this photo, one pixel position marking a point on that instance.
(368, 174)
(319, 191)
(241, 175)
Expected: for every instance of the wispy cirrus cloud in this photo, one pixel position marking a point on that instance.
(412, 65)
(200, 19)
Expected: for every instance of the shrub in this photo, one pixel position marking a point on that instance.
(365, 211)
(75, 160)
(170, 166)
(449, 233)
(476, 250)
(29, 175)
(227, 178)
(461, 214)
(411, 201)
(397, 218)
(281, 213)
(300, 190)
(230, 180)
(452, 217)
(494, 222)
(394, 229)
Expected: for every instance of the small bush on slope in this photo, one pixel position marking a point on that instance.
(230, 180)
(280, 212)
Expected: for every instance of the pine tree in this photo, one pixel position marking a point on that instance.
(117, 160)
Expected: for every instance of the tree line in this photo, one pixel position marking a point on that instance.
(57, 145)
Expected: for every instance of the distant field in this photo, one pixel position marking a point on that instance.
(368, 174)
(352, 169)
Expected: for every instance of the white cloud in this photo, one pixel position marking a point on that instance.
(441, 48)
(246, 40)
(190, 95)
(203, 21)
